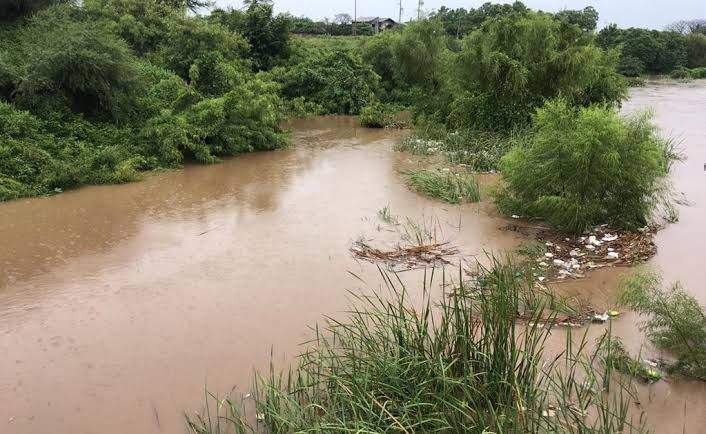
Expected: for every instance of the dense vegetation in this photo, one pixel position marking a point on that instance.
(653, 51)
(97, 93)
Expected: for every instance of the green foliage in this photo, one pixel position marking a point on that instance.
(11, 10)
(338, 81)
(74, 63)
(631, 66)
(267, 34)
(586, 19)
(445, 185)
(696, 50)
(376, 115)
(658, 52)
(99, 114)
(418, 53)
(680, 73)
(209, 55)
(697, 73)
(510, 66)
(585, 167)
(460, 22)
(307, 26)
(615, 356)
(143, 24)
(480, 151)
(677, 322)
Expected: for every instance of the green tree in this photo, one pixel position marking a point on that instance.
(696, 50)
(511, 65)
(267, 34)
(586, 19)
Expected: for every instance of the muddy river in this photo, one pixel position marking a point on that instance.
(119, 304)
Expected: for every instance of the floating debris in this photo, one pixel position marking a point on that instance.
(571, 256)
(600, 318)
(408, 257)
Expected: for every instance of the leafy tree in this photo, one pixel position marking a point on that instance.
(267, 34)
(510, 66)
(419, 51)
(11, 10)
(586, 19)
(610, 36)
(205, 54)
(631, 66)
(459, 22)
(337, 80)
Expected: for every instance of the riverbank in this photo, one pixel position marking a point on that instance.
(120, 303)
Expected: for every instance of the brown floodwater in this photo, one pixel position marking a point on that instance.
(119, 304)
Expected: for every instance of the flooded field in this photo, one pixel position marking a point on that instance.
(118, 304)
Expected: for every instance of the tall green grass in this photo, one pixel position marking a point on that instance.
(464, 364)
(447, 186)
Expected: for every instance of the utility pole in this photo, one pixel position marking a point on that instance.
(419, 9)
(355, 15)
(399, 19)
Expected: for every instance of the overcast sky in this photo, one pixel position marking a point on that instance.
(626, 13)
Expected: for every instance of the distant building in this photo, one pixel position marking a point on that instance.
(378, 23)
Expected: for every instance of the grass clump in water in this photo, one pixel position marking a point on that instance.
(385, 214)
(677, 322)
(480, 151)
(445, 185)
(584, 167)
(464, 365)
(615, 356)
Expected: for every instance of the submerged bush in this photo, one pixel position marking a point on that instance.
(680, 73)
(677, 322)
(378, 115)
(586, 167)
(480, 151)
(445, 185)
(463, 365)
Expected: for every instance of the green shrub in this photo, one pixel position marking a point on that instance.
(631, 66)
(680, 73)
(677, 322)
(376, 115)
(698, 73)
(445, 185)
(585, 167)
